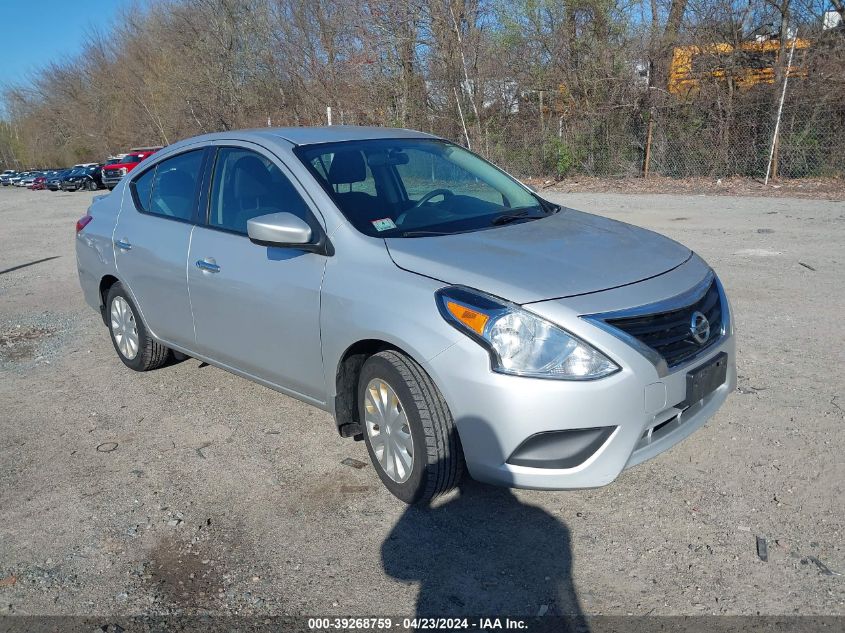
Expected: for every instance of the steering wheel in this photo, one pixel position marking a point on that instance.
(432, 194)
(419, 203)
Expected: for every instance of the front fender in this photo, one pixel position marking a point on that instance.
(365, 296)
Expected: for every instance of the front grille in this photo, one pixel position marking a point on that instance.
(668, 333)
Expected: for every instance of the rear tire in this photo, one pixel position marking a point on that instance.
(392, 383)
(133, 344)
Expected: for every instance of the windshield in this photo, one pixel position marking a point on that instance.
(417, 187)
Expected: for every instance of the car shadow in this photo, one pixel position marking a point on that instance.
(483, 552)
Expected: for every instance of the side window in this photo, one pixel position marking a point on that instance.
(174, 186)
(142, 188)
(246, 185)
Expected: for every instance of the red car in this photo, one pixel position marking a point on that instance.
(111, 174)
(38, 184)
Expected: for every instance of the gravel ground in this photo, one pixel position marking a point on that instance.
(188, 490)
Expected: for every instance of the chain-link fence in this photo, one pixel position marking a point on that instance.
(695, 137)
(689, 140)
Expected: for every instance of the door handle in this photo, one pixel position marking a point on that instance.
(123, 245)
(207, 266)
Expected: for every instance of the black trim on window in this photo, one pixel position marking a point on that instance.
(204, 202)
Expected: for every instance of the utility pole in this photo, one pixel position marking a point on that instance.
(780, 111)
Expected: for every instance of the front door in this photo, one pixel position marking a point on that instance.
(256, 308)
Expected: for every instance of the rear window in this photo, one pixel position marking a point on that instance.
(169, 189)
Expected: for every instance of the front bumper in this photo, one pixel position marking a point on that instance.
(496, 413)
(111, 180)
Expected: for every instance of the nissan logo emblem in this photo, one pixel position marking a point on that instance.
(699, 327)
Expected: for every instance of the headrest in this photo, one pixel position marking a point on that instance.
(251, 178)
(347, 167)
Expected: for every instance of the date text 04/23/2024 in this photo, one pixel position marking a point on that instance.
(481, 624)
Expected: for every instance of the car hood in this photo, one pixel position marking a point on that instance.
(567, 254)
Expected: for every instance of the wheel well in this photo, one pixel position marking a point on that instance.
(346, 384)
(105, 285)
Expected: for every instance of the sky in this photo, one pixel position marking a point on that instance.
(36, 32)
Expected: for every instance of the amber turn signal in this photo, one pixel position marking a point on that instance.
(474, 320)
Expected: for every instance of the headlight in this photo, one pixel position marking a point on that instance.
(519, 342)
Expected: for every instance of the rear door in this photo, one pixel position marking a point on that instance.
(256, 308)
(151, 243)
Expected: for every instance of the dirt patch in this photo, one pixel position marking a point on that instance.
(817, 188)
(34, 339)
(183, 576)
(22, 342)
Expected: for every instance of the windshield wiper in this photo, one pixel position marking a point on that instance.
(507, 218)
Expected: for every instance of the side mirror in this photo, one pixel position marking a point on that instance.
(285, 230)
(278, 229)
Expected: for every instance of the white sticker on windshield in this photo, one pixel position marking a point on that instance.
(384, 224)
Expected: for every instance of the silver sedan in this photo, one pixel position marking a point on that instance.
(442, 311)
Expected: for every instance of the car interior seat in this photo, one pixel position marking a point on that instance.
(348, 167)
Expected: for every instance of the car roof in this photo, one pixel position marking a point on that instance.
(310, 135)
(337, 133)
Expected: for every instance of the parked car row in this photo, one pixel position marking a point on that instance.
(82, 176)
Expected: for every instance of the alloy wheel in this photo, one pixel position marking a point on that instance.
(388, 430)
(123, 327)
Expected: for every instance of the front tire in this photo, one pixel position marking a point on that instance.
(133, 344)
(408, 429)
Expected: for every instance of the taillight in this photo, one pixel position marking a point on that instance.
(82, 222)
